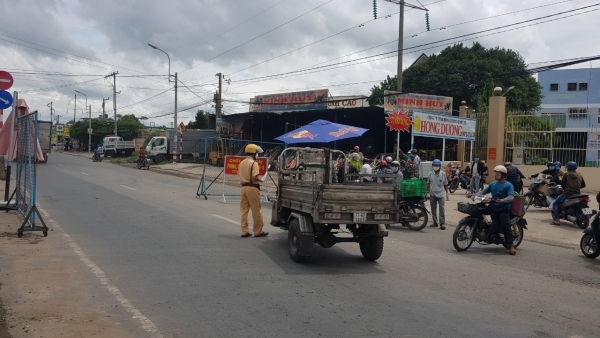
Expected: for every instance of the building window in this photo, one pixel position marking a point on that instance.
(583, 86)
(572, 86)
(575, 113)
(554, 87)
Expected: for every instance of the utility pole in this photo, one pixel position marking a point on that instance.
(90, 130)
(175, 126)
(50, 105)
(114, 75)
(218, 107)
(103, 110)
(75, 109)
(402, 3)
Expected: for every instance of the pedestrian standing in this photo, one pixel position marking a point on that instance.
(249, 175)
(437, 186)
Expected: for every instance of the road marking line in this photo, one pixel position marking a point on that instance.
(84, 173)
(226, 219)
(60, 165)
(124, 186)
(145, 323)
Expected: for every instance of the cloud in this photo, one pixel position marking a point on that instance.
(206, 37)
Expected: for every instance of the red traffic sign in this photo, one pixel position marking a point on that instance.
(6, 80)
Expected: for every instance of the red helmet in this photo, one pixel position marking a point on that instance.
(356, 147)
(383, 163)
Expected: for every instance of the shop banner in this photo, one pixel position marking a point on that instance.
(443, 126)
(232, 164)
(420, 102)
(296, 101)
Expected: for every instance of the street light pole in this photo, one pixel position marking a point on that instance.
(89, 123)
(175, 127)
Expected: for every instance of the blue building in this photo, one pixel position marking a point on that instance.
(571, 97)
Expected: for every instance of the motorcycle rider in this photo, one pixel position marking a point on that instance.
(367, 170)
(514, 176)
(552, 171)
(502, 196)
(355, 163)
(572, 184)
(98, 152)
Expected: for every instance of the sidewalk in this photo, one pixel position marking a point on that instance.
(538, 230)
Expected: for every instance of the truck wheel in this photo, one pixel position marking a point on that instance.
(294, 241)
(371, 248)
(159, 158)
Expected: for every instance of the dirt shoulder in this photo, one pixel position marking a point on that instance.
(47, 291)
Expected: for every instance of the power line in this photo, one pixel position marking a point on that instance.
(430, 43)
(230, 29)
(261, 35)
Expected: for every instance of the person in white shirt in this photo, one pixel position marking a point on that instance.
(437, 186)
(366, 169)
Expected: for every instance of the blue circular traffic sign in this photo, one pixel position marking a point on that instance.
(6, 99)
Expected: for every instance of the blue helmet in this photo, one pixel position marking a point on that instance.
(558, 164)
(436, 162)
(571, 165)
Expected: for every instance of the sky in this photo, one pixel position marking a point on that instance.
(55, 47)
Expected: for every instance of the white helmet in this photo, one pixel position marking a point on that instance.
(389, 159)
(500, 169)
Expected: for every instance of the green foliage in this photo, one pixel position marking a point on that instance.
(200, 122)
(376, 97)
(128, 128)
(470, 74)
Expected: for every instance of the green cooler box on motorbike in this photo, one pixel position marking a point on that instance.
(414, 187)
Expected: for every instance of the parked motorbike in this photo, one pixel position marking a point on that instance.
(413, 213)
(536, 194)
(96, 157)
(454, 182)
(591, 238)
(482, 228)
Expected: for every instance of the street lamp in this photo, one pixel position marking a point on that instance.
(175, 138)
(89, 123)
(508, 90)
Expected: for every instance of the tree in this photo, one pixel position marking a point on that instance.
(469, 74)
(201, 121)
(128, 128)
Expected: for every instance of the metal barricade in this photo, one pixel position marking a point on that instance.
(27, 148)
(214, 180)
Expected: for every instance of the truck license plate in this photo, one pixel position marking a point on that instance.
(360, 217)
(587, 211)
(381, 217)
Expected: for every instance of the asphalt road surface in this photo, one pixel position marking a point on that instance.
(181, 264)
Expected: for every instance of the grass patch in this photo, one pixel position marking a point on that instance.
(120, 160)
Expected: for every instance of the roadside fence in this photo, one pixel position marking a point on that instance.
(27, 143)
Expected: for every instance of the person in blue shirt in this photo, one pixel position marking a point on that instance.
(98, 151)
(503, 194)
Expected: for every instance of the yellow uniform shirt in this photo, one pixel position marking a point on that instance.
(248, 168)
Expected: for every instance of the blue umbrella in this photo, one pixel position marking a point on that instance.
(321, 131)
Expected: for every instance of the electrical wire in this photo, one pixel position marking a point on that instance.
(429, 43)
(261, 35)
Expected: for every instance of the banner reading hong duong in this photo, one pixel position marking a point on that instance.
(296, 101)
(394, 101)
(443, 126)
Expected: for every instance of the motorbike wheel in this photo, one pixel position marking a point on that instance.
(146, 164)
(463, 236)
(422, 219)
(588, 246)
(99, 159)
(517, 230)
(528, 202)
(139, 165)
(582, 220)
(453, 186)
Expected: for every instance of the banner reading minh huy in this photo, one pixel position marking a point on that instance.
(296, 101)
(443, 126)
(394, 101)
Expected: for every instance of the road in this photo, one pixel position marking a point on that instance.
(177, 264)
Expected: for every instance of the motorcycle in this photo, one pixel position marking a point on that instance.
(484, 229)
(591, 238)
(574, 209)
(537, 191)
(454, 183)
(96, 157)
(413, 213)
